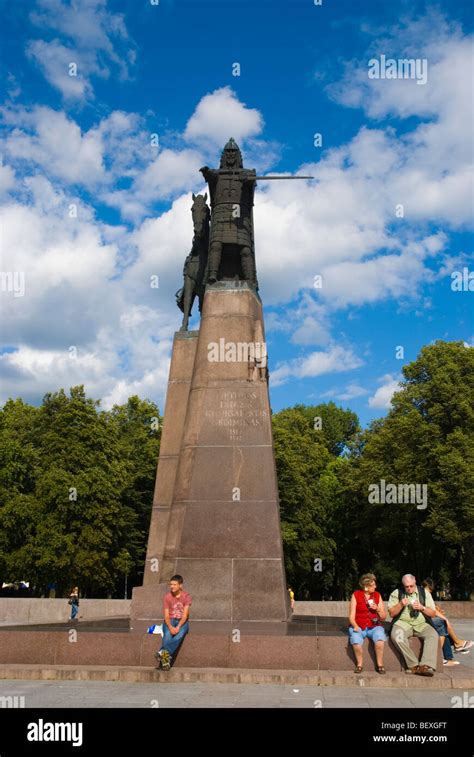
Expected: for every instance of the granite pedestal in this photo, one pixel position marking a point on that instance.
(215, 516)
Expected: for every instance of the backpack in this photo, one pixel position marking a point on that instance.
(422, 595)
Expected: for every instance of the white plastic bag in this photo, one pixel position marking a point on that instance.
(155, 629)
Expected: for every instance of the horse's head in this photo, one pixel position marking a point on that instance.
(201, 213)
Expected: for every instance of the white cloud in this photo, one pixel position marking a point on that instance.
(119, 325)
(125, 143)
(55, 61)
(307, 320)
(344, 395)
(60, 257)
(7, 179)
(379, 278)
(311, 331)
(220, 115)
(434, 179)
(162, 244)
(334, 360)
(117, 148)
(97, 40)
(170, 173)
(88, 22)
(383, 396)
(52, 140)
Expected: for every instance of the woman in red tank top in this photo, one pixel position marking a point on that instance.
(366, 614)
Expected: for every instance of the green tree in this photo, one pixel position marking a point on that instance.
(19, 468)
(75, 517)
(76, 490)
(138, 426)
(305, 489)
(338, 426)
(426, 439)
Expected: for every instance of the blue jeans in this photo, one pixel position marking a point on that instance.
(171, 643)
(442, 629)
(74, 611)
(376, 633)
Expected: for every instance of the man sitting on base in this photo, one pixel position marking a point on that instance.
(176, 606)
(411, 609)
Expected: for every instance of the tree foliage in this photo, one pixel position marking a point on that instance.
(76, 490)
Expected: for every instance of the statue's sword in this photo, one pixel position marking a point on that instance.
(273, 178)
(267, 178)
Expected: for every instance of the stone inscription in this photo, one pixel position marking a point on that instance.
(236, 411)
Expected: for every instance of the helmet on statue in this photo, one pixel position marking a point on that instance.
(231, 156)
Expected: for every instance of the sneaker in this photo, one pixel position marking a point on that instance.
(465, 645)
(450, 663)
(165, 660)
(158, 657)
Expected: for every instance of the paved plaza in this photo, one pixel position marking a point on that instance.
(77, 694)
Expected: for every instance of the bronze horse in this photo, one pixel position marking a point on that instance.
(196, 262)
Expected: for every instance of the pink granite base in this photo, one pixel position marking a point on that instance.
(198, 650)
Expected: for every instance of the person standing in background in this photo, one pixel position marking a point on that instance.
(74, 602)
(292, 598)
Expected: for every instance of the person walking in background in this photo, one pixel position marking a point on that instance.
(176, 606)
(366, 614)
(74, 602)
(446, 630)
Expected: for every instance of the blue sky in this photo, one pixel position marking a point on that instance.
(90, 210)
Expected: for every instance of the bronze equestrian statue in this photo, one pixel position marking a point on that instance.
(195, 263)
(225, 249)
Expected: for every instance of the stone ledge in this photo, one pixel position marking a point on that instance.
(23, 610)
(129, 674)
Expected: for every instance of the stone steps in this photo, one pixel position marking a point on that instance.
(455, 679)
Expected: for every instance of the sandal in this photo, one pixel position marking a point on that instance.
(380, 669)
(358, 669)
(463, 646)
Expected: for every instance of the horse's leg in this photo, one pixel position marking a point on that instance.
(187, 302)
(200, 296)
